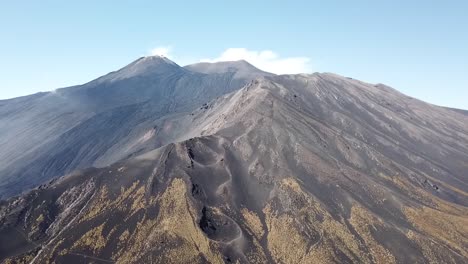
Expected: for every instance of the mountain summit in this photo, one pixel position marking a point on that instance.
(307, 168)
(144, 66)
(103, 121)
(241, 68)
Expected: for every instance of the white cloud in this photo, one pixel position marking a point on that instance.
(266, 60)
(162, 51)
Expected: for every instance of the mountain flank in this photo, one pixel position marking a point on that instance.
(307, 168)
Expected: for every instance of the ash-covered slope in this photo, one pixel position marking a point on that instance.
(137, 108)
(290, 169)
(241, 69)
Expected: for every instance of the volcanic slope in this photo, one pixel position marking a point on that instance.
(290, 169)
(140, 107)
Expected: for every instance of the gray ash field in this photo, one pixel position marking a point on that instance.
(225, 163)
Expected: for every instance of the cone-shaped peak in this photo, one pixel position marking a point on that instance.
(144, 66)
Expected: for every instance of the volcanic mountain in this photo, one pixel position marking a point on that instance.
(145, 105)
(209, 164)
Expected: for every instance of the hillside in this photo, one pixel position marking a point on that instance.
(140, 107)
(289, 169)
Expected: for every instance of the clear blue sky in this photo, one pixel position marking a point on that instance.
(417, 47)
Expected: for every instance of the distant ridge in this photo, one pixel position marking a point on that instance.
(241, 68)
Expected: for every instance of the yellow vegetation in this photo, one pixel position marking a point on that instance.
(92, 239)
(311, 235)
(443, 227)
(175, 222)
(253, 222)
(362, 220)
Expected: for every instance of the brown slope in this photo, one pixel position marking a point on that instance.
(291, 169)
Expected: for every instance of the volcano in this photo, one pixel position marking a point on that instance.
(225, 163)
